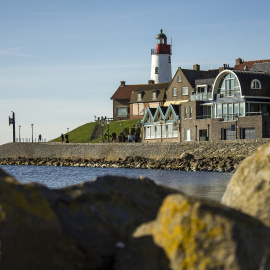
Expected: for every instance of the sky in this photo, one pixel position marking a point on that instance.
(62, 60)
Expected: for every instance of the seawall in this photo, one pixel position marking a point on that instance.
(206, 156)
(114, 151)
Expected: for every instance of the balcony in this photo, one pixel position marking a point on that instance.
(205, 116)
(201, 96)
(229, 117)
(164, 51)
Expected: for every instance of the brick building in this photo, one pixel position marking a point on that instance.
(223, 104)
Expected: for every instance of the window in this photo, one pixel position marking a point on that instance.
(179, 79)
(228, 86)
(139, 96)
(154, 95)
(241, 108)
(255, 84)
(219, 110)
(224, 109)
(122, 111)
(190, 112)
(235, 108)
(185, 112)
(156, 70)
(187, 136)
(230, 112)
(147, 132)
(184, 91)
(138, 109)
(174, 92)
(201, 89)
(169, 60)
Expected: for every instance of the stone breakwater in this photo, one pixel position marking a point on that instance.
(186, 163)
(222, 156)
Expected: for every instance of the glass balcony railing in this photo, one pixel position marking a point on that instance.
(205, 116)
(229, 117)
(201, 96)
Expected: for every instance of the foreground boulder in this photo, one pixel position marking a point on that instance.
(197, 234)
(249, 188)
(79, 227)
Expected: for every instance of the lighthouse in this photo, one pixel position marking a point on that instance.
(161, 70)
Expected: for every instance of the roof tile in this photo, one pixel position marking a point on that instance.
(249, 64)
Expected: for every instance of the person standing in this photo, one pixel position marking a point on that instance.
(62, 137)
(66, 137)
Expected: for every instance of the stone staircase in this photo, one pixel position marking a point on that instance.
(97, 132)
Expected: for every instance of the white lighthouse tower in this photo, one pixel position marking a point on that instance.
(161, 70)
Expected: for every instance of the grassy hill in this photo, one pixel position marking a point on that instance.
(82, 134)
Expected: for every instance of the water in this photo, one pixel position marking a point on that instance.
(202, 184)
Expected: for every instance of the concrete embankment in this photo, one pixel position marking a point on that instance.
(206, 156)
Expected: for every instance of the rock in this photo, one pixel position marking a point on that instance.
(30, 232)
(249, 188)
(197, 234)
(77, 227)
(187, 156)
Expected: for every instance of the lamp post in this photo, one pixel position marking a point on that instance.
(32, 125)
(12, 122)
(19, 133)
(108, 123)
(161, 129)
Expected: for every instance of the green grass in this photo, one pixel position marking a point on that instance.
(83, 133)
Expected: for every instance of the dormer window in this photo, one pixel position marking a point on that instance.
(255, 84)
(155, 94)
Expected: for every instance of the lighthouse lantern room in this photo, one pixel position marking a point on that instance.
(161, 70)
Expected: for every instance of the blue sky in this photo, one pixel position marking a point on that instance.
(61, 61)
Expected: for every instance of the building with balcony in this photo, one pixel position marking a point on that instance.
(223, 104)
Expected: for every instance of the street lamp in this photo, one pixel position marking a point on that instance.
(108, 123)
(12, 122)
(19, 133)
(32, 125)
(161, 129)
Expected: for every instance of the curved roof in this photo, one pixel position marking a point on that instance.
(246, 77)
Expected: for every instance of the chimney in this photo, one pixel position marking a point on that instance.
(123, 83)
(239, 61)
(196, 67)
(151, 82)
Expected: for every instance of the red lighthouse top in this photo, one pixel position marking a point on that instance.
(161, 46)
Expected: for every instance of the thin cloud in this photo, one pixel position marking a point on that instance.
(13, 52)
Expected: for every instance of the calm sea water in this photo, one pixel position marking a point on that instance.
(202, 184)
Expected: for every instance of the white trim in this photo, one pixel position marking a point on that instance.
(218, 79)
(256, 97)
(256, 80)
(182, 91)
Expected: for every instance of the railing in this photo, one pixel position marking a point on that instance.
(94, 131)
(201, 96)
(229, 93)
(206, 116)
(229, 117)
(168, 51)
(255, 113)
